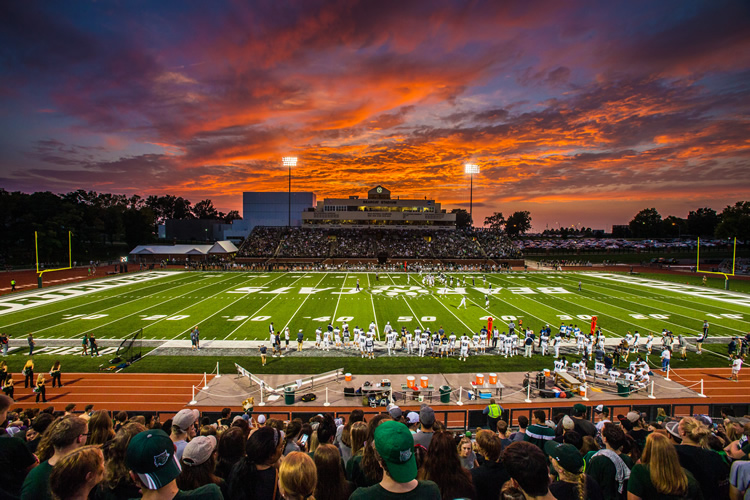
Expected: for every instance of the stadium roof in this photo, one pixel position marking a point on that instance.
(220, 247)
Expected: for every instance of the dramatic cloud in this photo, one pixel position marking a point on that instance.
(583, 111)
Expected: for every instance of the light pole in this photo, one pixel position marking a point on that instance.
(289, 161)
(471, 169)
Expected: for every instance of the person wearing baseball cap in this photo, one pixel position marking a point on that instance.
(569, 465)
(426, 421)
(183, 429)
(154, 468)
(602, 416)
(582, 425)
(198, 464)
(394, 446)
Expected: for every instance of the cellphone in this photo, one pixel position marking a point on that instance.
(303, 440)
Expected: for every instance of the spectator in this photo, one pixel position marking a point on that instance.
(523, 424)
(494, 412)
(538, 432)
(297, 477)
(344, 441)
(636, 427)
(394, 452)
(443, 467)
(62, 437)
(100, 428)
(332, 484)
(231, 448)
(502, 432)
(226, 417)
(489, 477)
(659, 474)
(88, 411)
(77, 473)
(358, 436)
(254, 475)
(426, 422)
(466, 454)
(602, 416)
(183, 430)
(371, 472)
(412, 420)
(15, 458)
(609, 467)
(573, 483)
(581, 424)
(154, 468)
(120, 419)
(116, 483)
(198, 464)
(527, 466)
(34, 435)
(711, 472)
(290, 436)
(739, 478)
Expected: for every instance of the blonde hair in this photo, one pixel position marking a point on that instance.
(40, 378)
(663, 463)
(571, 477)
(69, 474)
(695, 431)
(298, 476)
(358, 434)
(464, 440)
(29, 364)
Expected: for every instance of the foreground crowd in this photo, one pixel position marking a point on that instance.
(390, 455)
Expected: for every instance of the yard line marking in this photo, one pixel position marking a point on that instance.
(335, 310)
(446, 307)
(276, 296)
(372, 301)
(303, 302)
(675, 297)
(95, 301)
(414, 315)
(146, 309)
(671, 311)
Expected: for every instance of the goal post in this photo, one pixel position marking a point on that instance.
(36, 252)
(726, 275)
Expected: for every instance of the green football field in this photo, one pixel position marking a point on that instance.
(240, 305)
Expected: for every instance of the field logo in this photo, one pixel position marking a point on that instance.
(398, 291)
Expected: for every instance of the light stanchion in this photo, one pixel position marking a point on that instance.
(701, 393)
(193, 400)
(460, 393)
(262, 403)
(667, 377)
(218, 375)
(528, 393)
(326, 403)
(651, 396)
(205, 381)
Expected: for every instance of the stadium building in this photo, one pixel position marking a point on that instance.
(380, 211)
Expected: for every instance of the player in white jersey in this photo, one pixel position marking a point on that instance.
(636, 341)
(422, 346)
(357, 333)
(327, 340)
(589, 347)
(579, 341)
(347, 336)
(318, 333)
(390, 338)
(649, 342)
(482, 344)
(286, 339)
(487, 301)
(387, 328)
(464, 352)
(337, 337)
(501, 342)
(362, 339)
(370, 346)
(417, 334)
(452, 344)
(556, 345)
(374, 328)
(629, 339)
(475, 342)
(409, 342)
(463, 302)
(543, 341)
(515, 342)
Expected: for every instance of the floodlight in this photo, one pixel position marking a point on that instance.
(471, 168)
(289, 161)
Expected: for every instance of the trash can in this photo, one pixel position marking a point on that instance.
(289, 395)
(623, 390)
(445, 394)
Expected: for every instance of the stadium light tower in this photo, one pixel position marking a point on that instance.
(290, 161)
(471, 169)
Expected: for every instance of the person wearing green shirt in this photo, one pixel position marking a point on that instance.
(394, 445)
(659, 476)
(538, 432)
(609, 467)
(65, 435)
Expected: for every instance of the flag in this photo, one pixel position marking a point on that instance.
(593, 324)
(489, 328)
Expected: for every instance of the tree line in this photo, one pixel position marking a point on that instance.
(733, 221)
(103, 225)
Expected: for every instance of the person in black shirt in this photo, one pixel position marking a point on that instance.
(489, 477)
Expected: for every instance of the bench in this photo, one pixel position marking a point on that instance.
(565, 379)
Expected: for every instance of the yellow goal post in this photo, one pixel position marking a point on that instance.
(726, 275)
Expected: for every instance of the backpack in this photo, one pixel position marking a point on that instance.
(306, 398)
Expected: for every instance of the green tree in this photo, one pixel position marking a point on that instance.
(496, 221)
(518, 223)
(463, 218)
(735, 221)
(205, 210)
(702, 222)
(646, 224)
(674, 226)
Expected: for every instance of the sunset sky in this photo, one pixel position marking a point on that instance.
(582, 112)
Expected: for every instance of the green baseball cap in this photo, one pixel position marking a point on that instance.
(579, 409)
(566, 455)
(151, 455)
(395, 445)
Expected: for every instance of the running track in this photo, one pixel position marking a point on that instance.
(169, 392)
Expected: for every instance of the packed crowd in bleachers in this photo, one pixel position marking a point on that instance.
(588, 453)
(369, 243)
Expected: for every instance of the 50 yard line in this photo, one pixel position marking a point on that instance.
(303, 302)
(372, 300)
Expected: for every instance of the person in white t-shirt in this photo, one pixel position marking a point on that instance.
(736, 367)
